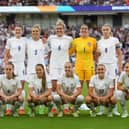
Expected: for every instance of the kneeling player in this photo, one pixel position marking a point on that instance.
(100, 91)
(11, 90)
(122, 94)
(39, 89)
(69, 92)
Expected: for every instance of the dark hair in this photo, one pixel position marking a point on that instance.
(19, 25)
(101, 65)
(125, 63)
(43, 78)
(10, 63)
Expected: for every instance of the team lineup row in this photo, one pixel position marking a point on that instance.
(67, 98)
(58, 48)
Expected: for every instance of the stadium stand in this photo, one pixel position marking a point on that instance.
(62, 2)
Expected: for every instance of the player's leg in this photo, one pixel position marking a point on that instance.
(79, 100)
(58, 101)
(121, 96)
(91, 104)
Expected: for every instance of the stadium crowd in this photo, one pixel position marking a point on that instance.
(62, 2)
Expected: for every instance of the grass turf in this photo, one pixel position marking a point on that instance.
(67, 122)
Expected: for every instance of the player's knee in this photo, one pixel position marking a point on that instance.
(80, 99)
(49, 98)
(20, 99)
(88, 99)
(113, 100)
(118, 94)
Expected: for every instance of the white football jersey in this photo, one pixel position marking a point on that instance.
(69, 84)
(17, 48)
(35, 54)
(124, 79)
(107, 48)
(101, 85)
(36, 83)
(59, 47)
(9, 86)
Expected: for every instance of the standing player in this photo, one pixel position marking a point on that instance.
(35, 51)
(11, 89)
(110, 55)
(69, 92)
(101, 91)
(15, 52)
(84, 47)
(39, 89)
(59, 45)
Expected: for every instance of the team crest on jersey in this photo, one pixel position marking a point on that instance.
(89, 44)
(19, 48)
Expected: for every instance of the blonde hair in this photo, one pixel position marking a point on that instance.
(37, 26)
(60, 22)
(107, 24)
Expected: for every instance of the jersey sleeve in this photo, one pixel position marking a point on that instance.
(19, 85)
(78, 84)
(72, 47)
(117, 43)
(49, 43)
(94, 44)
(111, 83)
(121, 78)
(48, 81)
(30, 82)
(8, 44)
(71, 39)
(59, 82)
(92, 81)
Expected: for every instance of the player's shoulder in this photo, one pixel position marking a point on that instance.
(75, 76)
(24, 38)
(94, 77)
(77, 40)
(17, 78)
(67, 37)
(2, 76)
(108, 78)
(52, 37)
(123, 73)
(114, 39)
(11, 39)
(91, 38)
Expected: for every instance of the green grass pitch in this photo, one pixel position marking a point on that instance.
(67, 122)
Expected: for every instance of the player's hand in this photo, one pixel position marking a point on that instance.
(67, 97)
(98, 52)
(73, 97)
(97, 99)
(103, 99)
